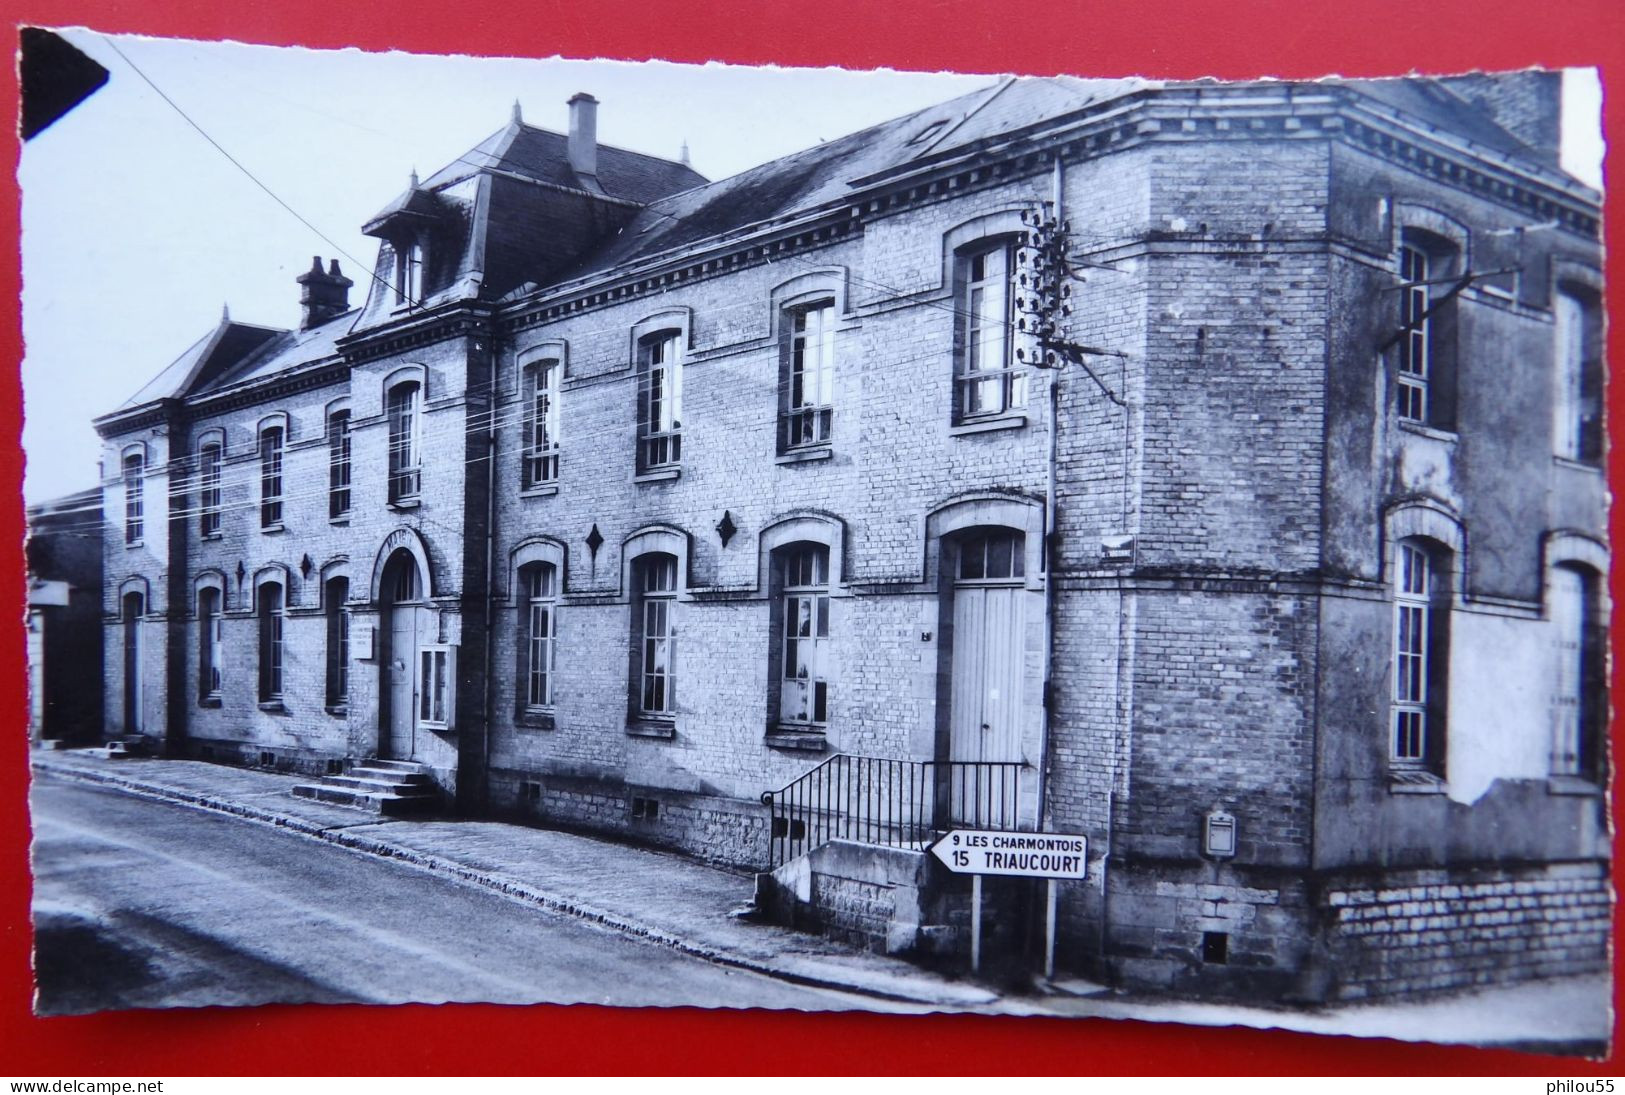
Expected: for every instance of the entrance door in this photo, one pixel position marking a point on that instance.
(134, 608)
(987, 677)
(407, 629)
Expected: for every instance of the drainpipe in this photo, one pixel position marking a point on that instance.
(490, 576)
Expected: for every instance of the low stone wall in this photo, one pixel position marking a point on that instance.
(1427, 930)
(862, 894)
(718, 830)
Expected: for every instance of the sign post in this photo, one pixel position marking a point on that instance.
(1049, 856)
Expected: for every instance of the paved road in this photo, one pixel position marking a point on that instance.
(145, 904)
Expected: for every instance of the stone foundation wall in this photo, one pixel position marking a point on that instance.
(1428, 930)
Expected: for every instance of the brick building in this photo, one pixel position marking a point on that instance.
(64, 554)
(624, 498)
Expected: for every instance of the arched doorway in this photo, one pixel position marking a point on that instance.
(134, 607)
(407, 624)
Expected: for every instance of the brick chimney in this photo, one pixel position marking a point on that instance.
(322, 295)
(1528, 105)
(584, 135)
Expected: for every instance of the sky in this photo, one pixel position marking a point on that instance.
(137, 231)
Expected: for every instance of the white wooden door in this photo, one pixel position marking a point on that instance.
(400, 739)
(985, 700)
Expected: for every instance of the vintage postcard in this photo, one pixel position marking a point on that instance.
(644, 534)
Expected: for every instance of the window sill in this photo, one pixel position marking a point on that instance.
(664, 729)
(1572, 785)
(546, 490)
(341, 521)
(339, 710)
(987, 425)
(797, 740)
(209, 701)
(207, 536)
(271, 530)
(537, 720)
(131, 545)
(657, 475)
(437, 727)
(1577, 465)
(401, 504)
(1424, 430)
(273, 707)
(1414, 781)
(808, 455)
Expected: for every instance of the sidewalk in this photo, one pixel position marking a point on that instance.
(676, 902)
(656, 896)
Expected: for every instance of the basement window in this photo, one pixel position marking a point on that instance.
(1215, 948)
(789, 828)
(530, 791)
(645, 809)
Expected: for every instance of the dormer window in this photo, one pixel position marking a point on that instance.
(409, 273)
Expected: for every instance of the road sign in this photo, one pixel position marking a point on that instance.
(1024, 855)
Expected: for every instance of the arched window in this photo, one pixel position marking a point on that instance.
(404, 409)
(539, 588)
(654, 603)
(208, 477)
(335, 593)
(1579, 695)
(541, 395)
(211, 644)
(338, 465)
(1425, 381)
(272, 445)
(134, 478)
(1577, 415)
(988, 379)
(800, 657)
(660, 402)
(1421, 590)
(271, 608)
(808, 376)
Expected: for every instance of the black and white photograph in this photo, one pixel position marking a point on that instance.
(649, 534)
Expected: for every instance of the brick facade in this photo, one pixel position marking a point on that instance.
(1214, 614)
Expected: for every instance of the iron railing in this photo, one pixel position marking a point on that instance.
(894, 803)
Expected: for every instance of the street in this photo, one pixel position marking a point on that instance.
(144, 904)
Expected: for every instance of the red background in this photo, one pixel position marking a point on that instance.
(1165, 38)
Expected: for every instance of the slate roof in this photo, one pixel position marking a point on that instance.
(543, 155)
(281, 353)
(210, 355)
(823, 174)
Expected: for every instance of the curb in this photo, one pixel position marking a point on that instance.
(487, 880)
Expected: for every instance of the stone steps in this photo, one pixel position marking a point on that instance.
(389, 788)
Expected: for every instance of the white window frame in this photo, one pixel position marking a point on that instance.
(404, 401)
(807, 415)
(655, 620)
(409, 274)
(272, 620)
(211, 455)
(1416, 343)
(135, 506)
(437, 686)
(660, 401)
(1410, 721)
(211, 643)
(340, 465)
(273, 450)
(336, 656)
(541, 416)
(804, 605)
(540, 635)
(988, 380)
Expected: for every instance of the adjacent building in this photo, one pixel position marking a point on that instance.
(64, 553)
(1263, 543)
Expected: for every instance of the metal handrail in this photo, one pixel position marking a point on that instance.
(889, 802)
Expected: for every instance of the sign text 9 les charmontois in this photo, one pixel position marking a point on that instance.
(1024, 855)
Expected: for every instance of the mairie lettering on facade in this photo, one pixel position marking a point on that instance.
(1212, 471)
